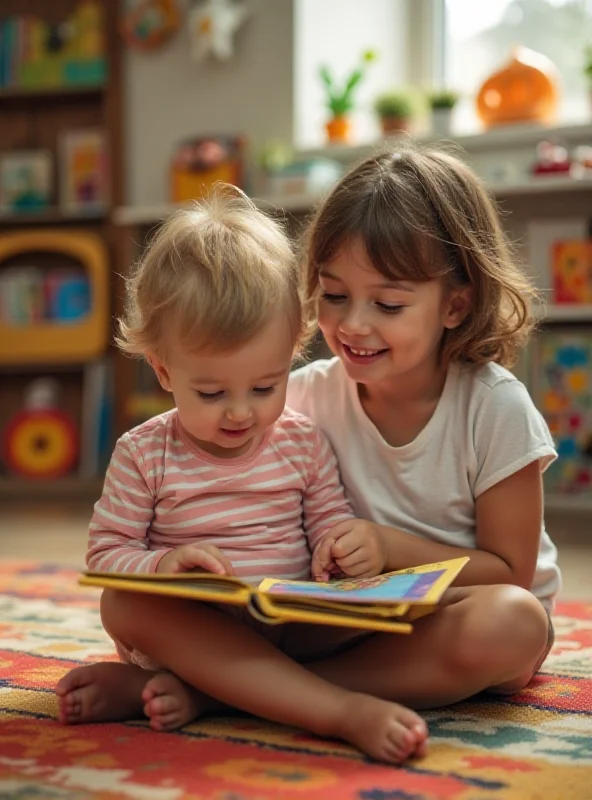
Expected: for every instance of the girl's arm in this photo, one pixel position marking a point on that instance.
(509, 520)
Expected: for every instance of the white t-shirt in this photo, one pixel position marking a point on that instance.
(484, 429)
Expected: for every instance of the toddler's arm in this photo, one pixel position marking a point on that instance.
(118, 540)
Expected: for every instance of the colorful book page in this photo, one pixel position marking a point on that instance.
(423, 584)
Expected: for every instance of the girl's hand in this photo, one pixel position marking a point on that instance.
(355, 548)
(196, 556)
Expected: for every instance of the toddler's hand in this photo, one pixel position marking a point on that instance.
(192, 556)
(355, 547)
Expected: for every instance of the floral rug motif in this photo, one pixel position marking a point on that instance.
(536, 745)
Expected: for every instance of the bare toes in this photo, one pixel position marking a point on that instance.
(162, 705)
(168, 722)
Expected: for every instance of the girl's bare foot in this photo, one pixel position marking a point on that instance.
(169, 703)
(104, 692)
(386, 731)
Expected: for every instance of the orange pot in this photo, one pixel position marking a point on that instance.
(338, 129)
(394, 125)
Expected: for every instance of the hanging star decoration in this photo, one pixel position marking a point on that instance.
(212, 25)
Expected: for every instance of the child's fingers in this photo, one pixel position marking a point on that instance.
(353, 560)
(204, 560)
(346, 545)
(322, 563)
(224, 560)
(362, 569)
(322, 555)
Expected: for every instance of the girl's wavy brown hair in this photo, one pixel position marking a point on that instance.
(422, 214)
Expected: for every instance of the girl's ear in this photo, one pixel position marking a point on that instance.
(160, 371)
(457, 305)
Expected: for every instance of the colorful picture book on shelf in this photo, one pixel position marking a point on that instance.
(30, 295)
(572, 271)
(564, 396)
(25, 181)
(388, 602)
(84, 171)
(36, 55)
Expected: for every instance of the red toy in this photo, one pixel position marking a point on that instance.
(552, 159)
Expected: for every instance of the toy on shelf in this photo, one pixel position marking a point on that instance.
(84, 171)
(565, 398)
(212, 24)
(572, 271)
(312, 176)
(41, 442)
(78, 327)
(581, 161)
(199, 163)
(35, 55)
(150, 23)
(552, 158)
(25, 181)
(523, 90)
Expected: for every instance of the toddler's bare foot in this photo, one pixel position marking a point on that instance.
(169, 703)
(104, 692)
(386, 731)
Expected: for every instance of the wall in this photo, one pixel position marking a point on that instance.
(170, 97)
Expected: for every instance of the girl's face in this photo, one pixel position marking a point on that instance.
(225, 400)
(381, 329)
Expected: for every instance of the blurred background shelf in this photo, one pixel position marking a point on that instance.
(63, 489)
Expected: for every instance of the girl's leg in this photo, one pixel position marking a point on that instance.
(227, 660)
(483, 637)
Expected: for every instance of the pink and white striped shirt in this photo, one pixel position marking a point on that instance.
(266, 510)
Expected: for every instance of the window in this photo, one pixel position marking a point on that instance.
(478, 38)
(336, 32)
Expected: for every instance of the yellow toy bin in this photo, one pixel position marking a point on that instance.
(49, 342)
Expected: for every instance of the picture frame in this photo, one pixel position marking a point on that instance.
(562, 391)
(84, 171)
(542, 236)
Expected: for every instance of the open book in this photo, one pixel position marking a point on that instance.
(388, 602)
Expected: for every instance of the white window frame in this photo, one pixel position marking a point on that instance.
(427, 33)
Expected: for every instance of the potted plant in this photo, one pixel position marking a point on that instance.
(340, 100)
(396, 108)
(441, 102)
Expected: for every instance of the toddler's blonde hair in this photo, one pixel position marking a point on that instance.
(211, 277)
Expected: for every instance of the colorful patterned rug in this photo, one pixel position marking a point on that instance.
(535, 745)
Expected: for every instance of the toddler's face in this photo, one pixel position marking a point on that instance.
(226, 399)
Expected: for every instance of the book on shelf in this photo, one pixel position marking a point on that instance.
(388, 602)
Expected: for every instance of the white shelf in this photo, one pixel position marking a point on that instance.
(542, 185)
(567, 313)
(147, 215)
(507, 136)
(568, 502)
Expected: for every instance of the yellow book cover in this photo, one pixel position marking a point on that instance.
(388, 602)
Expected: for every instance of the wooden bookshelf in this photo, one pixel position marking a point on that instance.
(35, 117)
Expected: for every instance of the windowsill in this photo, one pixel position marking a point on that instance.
(502, 137)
